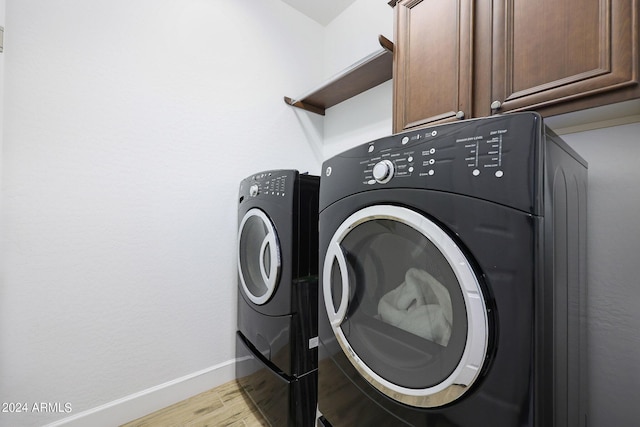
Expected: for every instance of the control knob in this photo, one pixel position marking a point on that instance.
(383, 171)
(254, 190)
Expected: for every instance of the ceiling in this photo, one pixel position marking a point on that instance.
(321, 11)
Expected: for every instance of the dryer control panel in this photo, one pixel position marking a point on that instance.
(424, 153)
(496, 158)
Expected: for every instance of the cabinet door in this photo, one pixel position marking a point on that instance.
(563, 55)
(433, 61)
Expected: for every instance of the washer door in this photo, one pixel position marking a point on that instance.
(258, 256)
(405, 305)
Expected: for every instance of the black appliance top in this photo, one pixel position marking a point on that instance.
(499, 159)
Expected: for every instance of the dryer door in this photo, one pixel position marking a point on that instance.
(405, 305)
(258, 256)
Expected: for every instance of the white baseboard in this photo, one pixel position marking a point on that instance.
(150, 400)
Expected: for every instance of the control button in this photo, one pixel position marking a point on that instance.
(371, 181)
(371, 148)
(405, 140)
(410, 159)
(476, 172)
(434, 133)
(432, 161)
(499, 174)
(432, 151)
(431, 172)
(383, 171)
(254, 190)
(328, 171)
(411, 169)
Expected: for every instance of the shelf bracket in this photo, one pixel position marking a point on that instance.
(304, 106)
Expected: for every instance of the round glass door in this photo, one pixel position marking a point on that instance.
(405, 305)
(258, 256)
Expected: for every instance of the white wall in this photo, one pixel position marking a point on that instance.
(350, 37)
(128, 126)
(2, 24)
(613, 282)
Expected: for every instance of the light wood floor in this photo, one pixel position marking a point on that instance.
(224, 405)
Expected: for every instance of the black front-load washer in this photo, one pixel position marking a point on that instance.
(452, 279)
(276, 340)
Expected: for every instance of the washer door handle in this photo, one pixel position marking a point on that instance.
(335, 316)
(267, 244)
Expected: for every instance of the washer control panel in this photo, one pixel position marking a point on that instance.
(272, 184)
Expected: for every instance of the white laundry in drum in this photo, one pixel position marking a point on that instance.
(421, 305)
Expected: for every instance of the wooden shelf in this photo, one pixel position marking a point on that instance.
(365, 74)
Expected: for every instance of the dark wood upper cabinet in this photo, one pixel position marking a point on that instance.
(433, 61)
(548, 52)
(472, 58)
